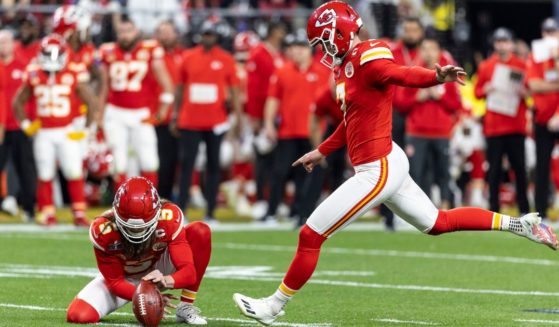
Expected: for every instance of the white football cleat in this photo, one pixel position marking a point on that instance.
(190, 314)
(535, 230)
(258, 309)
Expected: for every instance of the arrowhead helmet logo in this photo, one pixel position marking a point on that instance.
(327, 17)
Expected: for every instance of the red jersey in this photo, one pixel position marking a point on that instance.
(431, 118)
(27, 53)
(85, 55)
(129, 85)
(55, 95)
(116, 267)
(327, 107)
(261, 64)
(14, 72)
(494, 123)
(206, 76)
(173, 62)
(364, 90)
(296, 92)
(546, 104)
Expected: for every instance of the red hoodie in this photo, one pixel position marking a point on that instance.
(496, 124)
(431, 118)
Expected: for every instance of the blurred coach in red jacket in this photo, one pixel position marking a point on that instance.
(431, 116)
(504, 123)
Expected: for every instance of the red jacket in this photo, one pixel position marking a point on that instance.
(495, 124)
(546, 103)
(431, 118)
(260, 66)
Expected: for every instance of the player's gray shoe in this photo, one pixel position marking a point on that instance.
(190, 314)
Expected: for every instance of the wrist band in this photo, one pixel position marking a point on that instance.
(166, 98)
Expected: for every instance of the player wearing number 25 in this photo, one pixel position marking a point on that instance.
(501, 83)
(126, 69)
(57, 86)
(143, 237)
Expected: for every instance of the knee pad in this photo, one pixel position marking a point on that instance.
(309, 239)
(199, 230)
(81, 312)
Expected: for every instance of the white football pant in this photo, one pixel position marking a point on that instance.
(97, 294)
(52, 146)
(125, 129)
(383, 181)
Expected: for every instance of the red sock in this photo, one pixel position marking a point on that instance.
(76, 189)
(119, 179)
(81, 312)
(44, 195)
(151, 176)
(304, 263)
(466, 219)
(198, 235)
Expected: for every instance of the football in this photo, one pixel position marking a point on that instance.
(147, 304)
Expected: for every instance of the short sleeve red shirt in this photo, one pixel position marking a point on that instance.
(13, 71)
(296, 92)
(546, 103)
(206, 77)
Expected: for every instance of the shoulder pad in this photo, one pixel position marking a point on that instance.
(171, 220)
(104, 234)
(373, 50)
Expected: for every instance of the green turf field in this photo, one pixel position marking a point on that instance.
(365, 278)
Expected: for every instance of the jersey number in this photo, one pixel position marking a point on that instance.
(128, 76)
(340, 96)
(53, 101)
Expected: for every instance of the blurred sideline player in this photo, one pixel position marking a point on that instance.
(17, 144)
(143, 237)
(365, 75)
(208, 80)
(57, 86)
(167, 140)
(127, 119)
(291, 99)
(262, 61)
(29, 43)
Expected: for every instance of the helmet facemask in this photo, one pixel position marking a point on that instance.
(136, 230)
(331, 56)
(52, 59)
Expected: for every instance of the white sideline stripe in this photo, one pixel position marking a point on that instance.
(393, 253)
(407, 322)
(538, 321)
(242, 321)
(221, 227)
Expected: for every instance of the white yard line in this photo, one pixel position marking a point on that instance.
(407, 322)
(236, 320)
(538, 321)
(392, 253)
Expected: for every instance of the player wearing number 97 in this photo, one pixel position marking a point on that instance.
(366, 75)
(127, 68)
(143, 237)
(58, 87)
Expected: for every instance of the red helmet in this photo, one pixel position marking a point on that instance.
(53, 54)
(99, 161)
(70, 18)
(137, 208)
(333, 25)
(243, 43)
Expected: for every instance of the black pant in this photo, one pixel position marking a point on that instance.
(286, 152)
(513, 147)
(545, 141)
(264, 164)
(20, 148)
(188, 149)
(399, 128)
(434, 152)
(167, 148)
